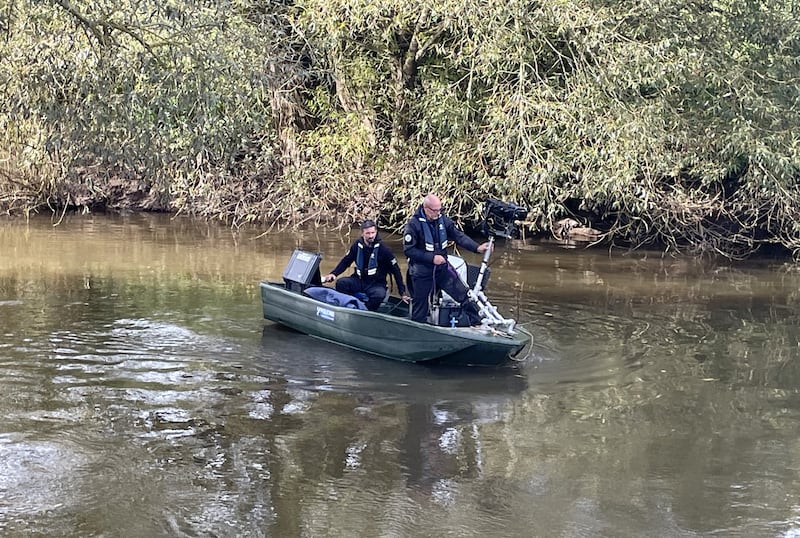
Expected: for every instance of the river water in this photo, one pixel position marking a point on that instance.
(142, 394)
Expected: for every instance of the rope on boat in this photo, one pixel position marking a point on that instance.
(392, 309)
(530, 345)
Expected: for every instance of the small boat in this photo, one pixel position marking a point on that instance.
(388, 332)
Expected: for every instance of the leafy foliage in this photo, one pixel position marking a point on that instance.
(662, 123)
(151, 99)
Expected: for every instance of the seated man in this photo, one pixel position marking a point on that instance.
(373, 262)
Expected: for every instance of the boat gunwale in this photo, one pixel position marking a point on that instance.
(451, 331)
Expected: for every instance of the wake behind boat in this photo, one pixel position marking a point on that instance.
(389, 332)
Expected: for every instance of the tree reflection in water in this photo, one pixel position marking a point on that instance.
(142, 394)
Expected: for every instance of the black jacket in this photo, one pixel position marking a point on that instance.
(387, 263)
(420, 259)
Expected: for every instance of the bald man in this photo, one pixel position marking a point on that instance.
(424, 243)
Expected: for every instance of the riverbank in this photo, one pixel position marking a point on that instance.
(679, 137)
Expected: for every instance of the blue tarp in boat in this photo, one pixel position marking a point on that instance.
(329, 296)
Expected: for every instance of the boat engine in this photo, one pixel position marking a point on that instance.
(502, 219)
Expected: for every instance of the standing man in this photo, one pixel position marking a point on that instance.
(424, 242)
(374, 261)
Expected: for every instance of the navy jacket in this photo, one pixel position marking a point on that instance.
(387, 263)
(420, 256)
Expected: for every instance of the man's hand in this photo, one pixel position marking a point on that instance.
(482, 247)
(328, 278)
(438, 259)
(405, 298)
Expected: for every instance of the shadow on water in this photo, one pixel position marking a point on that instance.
(412, 424)
(321, 365)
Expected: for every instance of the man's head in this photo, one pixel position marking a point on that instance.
(369, 231)
(432, 206)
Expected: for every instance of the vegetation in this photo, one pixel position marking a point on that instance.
(662, 123)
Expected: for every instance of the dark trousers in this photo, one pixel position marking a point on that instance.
(352, 285)
(425, 283)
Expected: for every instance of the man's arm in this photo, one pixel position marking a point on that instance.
(461, 239)
(346, 261)
(414, 246)
(390, 262)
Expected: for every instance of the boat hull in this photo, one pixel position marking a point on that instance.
(389, 333)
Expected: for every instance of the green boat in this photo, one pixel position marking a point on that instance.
(388, 332)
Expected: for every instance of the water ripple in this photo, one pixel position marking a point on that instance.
(34, 475)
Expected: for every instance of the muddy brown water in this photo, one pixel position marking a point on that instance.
(141, 394)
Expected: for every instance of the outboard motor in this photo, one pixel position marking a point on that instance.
(502, 219)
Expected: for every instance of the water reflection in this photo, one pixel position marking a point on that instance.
(325, 366)
(408, 423)
(143, 395)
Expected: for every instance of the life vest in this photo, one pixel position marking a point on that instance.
(426, 230)
(372, 263)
